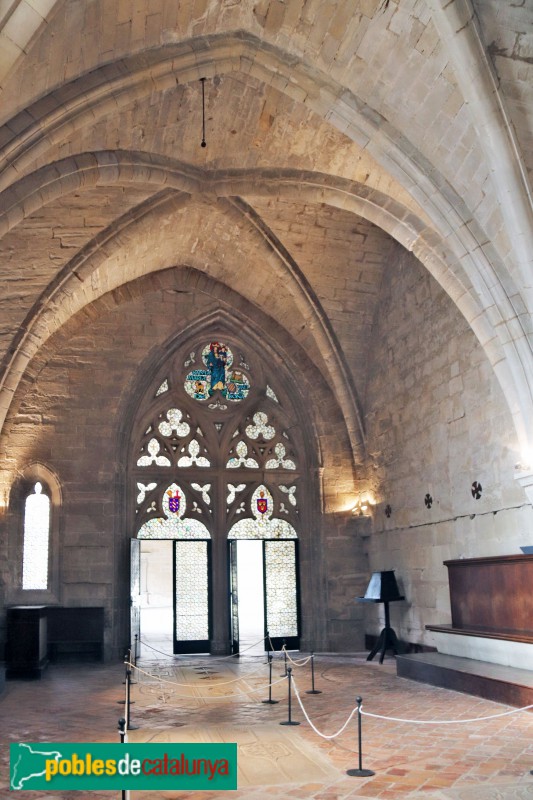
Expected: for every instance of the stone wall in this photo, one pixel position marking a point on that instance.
(436, 422)
(69, 416)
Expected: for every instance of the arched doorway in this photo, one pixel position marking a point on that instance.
(218, 458)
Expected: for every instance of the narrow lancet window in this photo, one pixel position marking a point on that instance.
(36, 539)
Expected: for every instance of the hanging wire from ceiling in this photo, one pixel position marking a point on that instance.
(203, 142)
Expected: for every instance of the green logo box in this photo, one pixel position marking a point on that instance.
(60, 766)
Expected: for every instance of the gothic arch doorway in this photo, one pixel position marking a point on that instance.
(217, 457)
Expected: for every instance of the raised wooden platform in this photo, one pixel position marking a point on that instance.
(507, 685)
(526, 637)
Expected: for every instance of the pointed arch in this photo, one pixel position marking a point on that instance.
(274, 414)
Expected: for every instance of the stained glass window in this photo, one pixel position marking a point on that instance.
(270, 393)
(242, 459)
(233, 490)
(260, 428)
(36, 540)
(280, 460)
(143, 489)
(204, 490)
(174, 423)
(173, 525)
(291, 492)
(262, 525)
(190, 477)
(217, 373)
(153, 456)
(194, 457)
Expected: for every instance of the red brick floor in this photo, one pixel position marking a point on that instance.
(482, 760)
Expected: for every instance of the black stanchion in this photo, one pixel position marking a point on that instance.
(129, 726)
(270, 701)
(267, 637)
(312, 690)
(360, 772)
(136, 652)
(284, 674)
(289, 721)
(123, 739)
(127, 660)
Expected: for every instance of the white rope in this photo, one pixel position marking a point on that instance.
(275, 652)
(220, 683)
(323, 735)
(199, 697)
(445, 721)
(206, 661)
(301, 662)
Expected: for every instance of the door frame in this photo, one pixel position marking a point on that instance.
(276, 642)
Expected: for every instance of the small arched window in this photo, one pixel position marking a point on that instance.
(36, 546)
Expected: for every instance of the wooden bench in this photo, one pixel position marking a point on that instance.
(491, 598)
(488, 647)
(75, 633)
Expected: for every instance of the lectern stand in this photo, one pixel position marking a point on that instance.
(383, 589)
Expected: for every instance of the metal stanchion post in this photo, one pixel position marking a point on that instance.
(312, 690)
(123, 740)
(268, 643)
(124, 682)
(360, 772)
(135, 652)
(284, 675)
(129, 727)
(289, 721)
(270, 701)
(127, 660)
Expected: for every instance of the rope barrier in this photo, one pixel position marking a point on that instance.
(199, 697)
(220, 683)
(207, 661)
(247, 694)
(272, 648)
(301, 662)
(323, 735)
(445, 721)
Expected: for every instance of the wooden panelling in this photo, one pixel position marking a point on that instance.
(492, 594)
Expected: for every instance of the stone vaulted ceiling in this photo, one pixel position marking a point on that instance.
(338, 131)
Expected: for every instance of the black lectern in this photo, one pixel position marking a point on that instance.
(383, 589)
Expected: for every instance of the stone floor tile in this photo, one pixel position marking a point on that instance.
(434, 762)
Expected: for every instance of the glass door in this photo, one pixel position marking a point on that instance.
(281, 593)
(135, 591)
(234, 596)
(192, 596)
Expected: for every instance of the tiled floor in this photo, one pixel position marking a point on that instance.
(482, 760)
